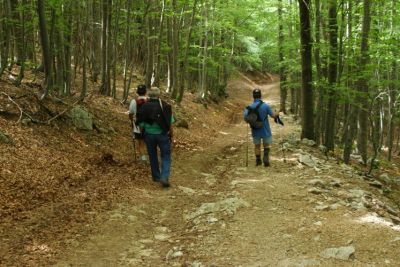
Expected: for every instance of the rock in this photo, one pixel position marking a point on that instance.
(315, 190)
(286, 146)
(376, 184)
(81, 118)
(145, 253)
(322, 148)
(187, 190)
(162, 229)
(356, 157)
(308, 142)
(336, 183)
(229, 205)
(132, 218)
(102, 130)
(341, 253)
(385, 178)
(175, 252)
(161, 237)
(334, 206)
(317, 183)
(322, 208)
(6, 139)
(146, 241)
(116, 216)
(212, 220)
(397, 239)
(182, 123)
(308, 160)
(26, 121)
(356, 193)
(196, 264)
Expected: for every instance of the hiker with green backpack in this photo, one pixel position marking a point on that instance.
(256, 115)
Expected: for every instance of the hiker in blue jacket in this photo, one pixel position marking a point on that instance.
(261, 130)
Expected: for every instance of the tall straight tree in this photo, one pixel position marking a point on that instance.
(332, 76)
(281, 60)
(44, 40)
(362, 85)
(307, 122)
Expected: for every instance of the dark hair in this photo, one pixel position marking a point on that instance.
(256, 93)
(141, 89)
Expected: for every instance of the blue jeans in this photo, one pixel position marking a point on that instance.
(163, 142)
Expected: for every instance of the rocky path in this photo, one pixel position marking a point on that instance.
(305, 210)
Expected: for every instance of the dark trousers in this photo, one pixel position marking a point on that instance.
(163, 142)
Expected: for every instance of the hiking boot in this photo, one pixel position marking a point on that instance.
(165, 184)
(258, 160)
(266, 157)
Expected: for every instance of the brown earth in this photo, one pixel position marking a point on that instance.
(80, 210)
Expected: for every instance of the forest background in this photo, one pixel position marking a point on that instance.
(338, 59)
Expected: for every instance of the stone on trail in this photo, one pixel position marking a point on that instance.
(336, 183)
(315, 190)
(187, 190)
(322, 208)
(317, 183)
(308, 160)
(385, 178)
(81, 118)
(376, 184)
(341, 253)
(197, 264)
(6, 139)
(308, 142)
(161, 237)
(175, 252)
(229, 205)
(356, 193)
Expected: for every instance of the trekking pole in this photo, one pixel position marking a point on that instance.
(247, 146)
(134, 150)
(134, 142)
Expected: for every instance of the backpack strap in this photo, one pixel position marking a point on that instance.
(259, 105)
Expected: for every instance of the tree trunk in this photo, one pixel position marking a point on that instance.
(22, 46)
(157, 75)
(48, 83)
(282, 74)
(306, 66)
(332, 75)
(362, 85)
(105, 79)
(149, 45)
(7, 36)
(127, 58)
(175, 50)
(203, 77)
(184, 72)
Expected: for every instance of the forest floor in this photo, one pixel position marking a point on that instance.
(305, 210)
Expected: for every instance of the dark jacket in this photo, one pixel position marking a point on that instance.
(151, 112)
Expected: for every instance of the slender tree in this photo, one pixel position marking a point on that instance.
(306, 73)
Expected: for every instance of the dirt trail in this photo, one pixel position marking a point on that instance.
(272, 221)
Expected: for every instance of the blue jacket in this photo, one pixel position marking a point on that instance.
(264, 110)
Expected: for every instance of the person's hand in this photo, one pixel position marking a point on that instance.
(278, 120)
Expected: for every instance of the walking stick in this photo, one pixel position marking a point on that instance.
(247, 146)
(134, 150)
(134, 142)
